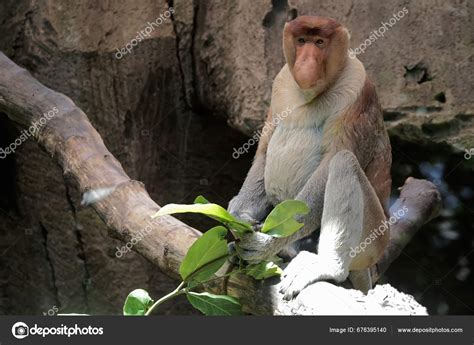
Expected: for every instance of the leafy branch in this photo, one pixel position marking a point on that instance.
(210, 252)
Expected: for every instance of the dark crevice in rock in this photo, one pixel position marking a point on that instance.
(278, 7)
(417, 109)
(197, 104)
(292, 14)
(193, 53)
(401, 112)
(274, 20)
(444, 129)
(80, 244)
(465, 117)
(348, 14)
(186, 56)
(179, 58)
(128, 125)
(393, 115)
(440, 97)
(417, 74)
(19, 40)
(44, 234)
(439, 129)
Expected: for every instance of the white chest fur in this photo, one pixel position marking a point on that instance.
(293, 155)
(294, 151)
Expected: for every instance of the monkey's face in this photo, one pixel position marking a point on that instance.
(315, 50)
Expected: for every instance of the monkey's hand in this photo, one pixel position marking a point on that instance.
(302, 271)
(238, 213)
(254, 247)
(247, 210)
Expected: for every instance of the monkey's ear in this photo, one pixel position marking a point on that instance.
(348, 34)
(288, 46)
(341, 39)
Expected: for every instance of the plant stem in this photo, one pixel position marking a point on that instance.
(178, 291)
(220, 277)
(200, 269)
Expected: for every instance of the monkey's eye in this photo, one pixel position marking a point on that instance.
(319, 42)
(301, 40)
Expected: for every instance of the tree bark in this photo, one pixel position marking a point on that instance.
(125, 206)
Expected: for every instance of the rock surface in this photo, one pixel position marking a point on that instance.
(416, 65)
(323, 298)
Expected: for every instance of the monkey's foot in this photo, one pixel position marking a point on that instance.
(301, 272)
(307, 268)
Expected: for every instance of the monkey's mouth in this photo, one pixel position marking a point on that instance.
(312, 91)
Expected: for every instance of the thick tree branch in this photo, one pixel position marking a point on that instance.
(72, 141)
(422, 200)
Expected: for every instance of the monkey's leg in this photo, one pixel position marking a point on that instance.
(347, 198)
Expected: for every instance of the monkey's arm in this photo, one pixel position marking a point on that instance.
(252, 203)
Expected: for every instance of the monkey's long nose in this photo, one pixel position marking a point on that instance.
(306, 72)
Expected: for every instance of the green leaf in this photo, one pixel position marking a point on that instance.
(205, 256)
(263, 270)
(281, 222)
(211, 210)
(210, 304)
(201, 200)
(137, 303)
(238, 228)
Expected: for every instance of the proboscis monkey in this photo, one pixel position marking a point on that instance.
(332, 152)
